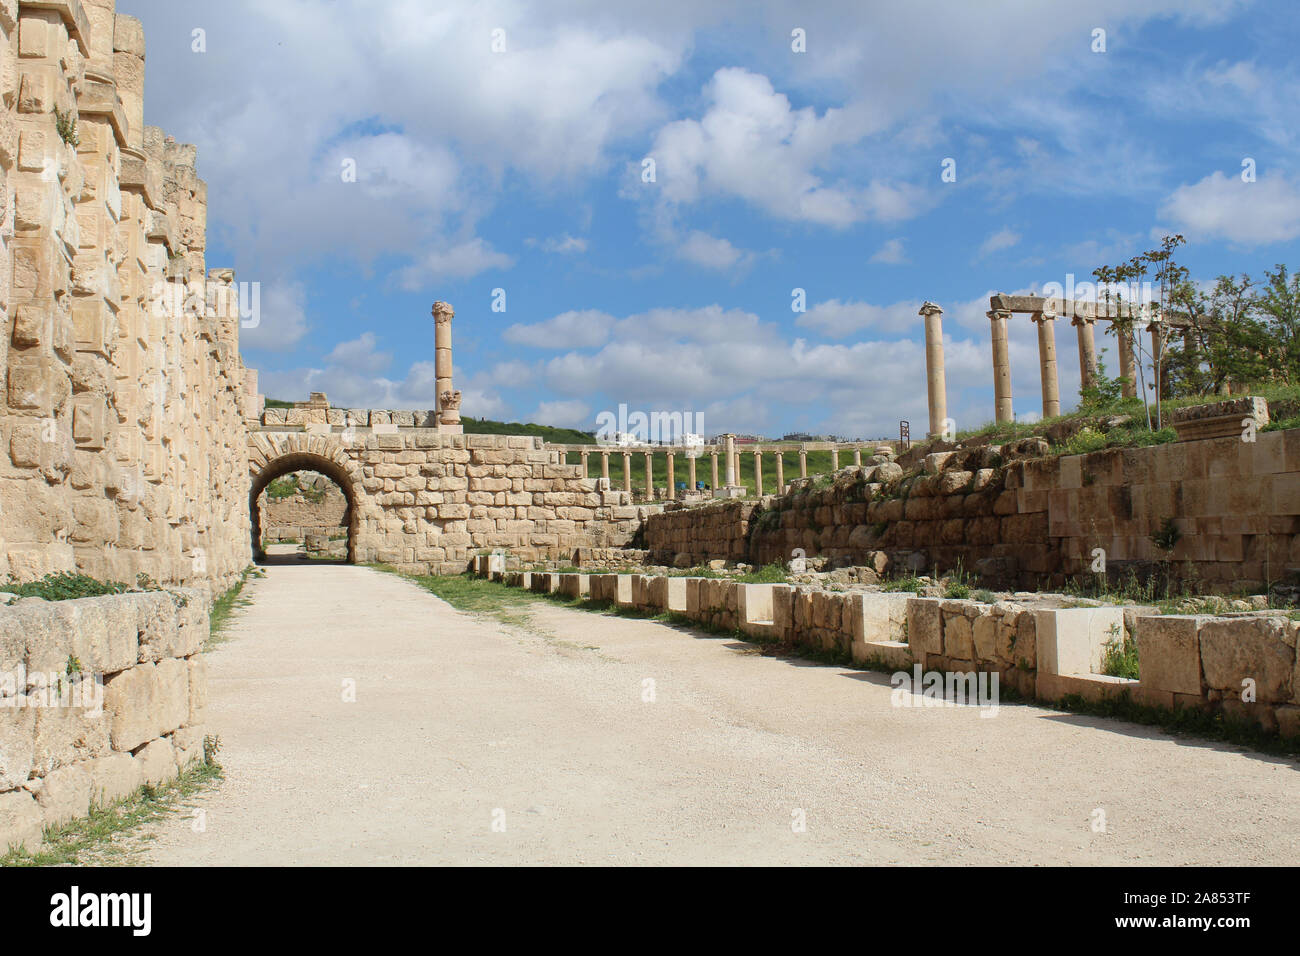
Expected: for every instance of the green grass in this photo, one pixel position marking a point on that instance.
(909, 582)
(1181, 722)
(224, 606)
(90, 839)
(1120, 655)
(768, 574)
(65, 586)
(466, 592)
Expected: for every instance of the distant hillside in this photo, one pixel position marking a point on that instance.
(559, 436)
(486, 426)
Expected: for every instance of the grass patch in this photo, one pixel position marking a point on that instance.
(64, 586)
(466, 592)
(1181, 722)
(92, 836)
(224, 606)
(767, 574)
(1119, 656)
(908, 582)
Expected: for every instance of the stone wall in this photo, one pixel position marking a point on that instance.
(121, 426)
(427, 501)
(297, 516)
(98, 696)
(1029, 522)
(1243, 667)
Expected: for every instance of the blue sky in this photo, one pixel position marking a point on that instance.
(521, 170)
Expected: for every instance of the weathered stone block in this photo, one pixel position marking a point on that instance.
(1169, 656)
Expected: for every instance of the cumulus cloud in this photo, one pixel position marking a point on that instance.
(839, 319)
(574, 329)
(563, 245)
(1225, 207)
(1002, 239)
(456, 262)
(891, 253)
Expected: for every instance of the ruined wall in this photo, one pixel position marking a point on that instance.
(297, 516)
(427, 501)
(122, 437)
(98, 696)
(1028, 523)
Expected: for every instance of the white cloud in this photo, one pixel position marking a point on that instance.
(282, 322)
(752, 145)
(575, 329)
(570, 413)
(891, 253)
(1224, 207)
(359, 355)
(456, 262)
(1002, 239)
(838, 319)
(563, 245)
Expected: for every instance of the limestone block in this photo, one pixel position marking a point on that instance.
(130, 703)
(113, 778)
(64, 795)
(197, 676)
(157, 761)
(1169, 657)
(63, 735)
(187, 746)
(21, 821)
(1233, 649)
(1072, 641)
(924, 627)
(17, 732)
(754, 603)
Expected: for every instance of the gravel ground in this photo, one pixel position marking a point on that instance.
(475, 742)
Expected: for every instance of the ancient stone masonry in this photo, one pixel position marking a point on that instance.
(124, 450)
(98, 696)
(1020, 518)
(426, 500)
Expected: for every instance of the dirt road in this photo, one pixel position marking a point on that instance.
(587, 738)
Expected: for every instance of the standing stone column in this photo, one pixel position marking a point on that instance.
(1127, 367)
(604, 466)
(803, 462)
(758, 472)
(731, 461)
(780, 472)
(1002, 408)
(857, 457)
(713, 457)
(935, 383)
(690, 471)
(627, 472)
(585, 470)
(649, 476)
(1046, 322)
(448, 398)
(835, 458)
(672, 483)
(1087, 349)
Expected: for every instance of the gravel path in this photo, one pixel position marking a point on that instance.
(473, 742)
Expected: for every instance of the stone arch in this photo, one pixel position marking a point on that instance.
(272, 456)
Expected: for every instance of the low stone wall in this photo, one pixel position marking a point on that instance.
(1242, 666)
(98, 696)
(1027, 523)
(296, 516)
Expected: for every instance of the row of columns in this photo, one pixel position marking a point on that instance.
(732, 468)
(1049, 375)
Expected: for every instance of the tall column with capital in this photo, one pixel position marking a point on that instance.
(604, 466)
(690, 468)
(1002, 408)
(627, 472)
(758, 472)
(803, 462)
(448, 398)
(731, 461)
(672, 485)
(649, 476)
(1087, 349)
(934, 377)
(583, 456)
(835, 457)
(1046, 322)
(780, 472)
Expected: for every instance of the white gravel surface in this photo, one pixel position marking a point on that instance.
(473, 742)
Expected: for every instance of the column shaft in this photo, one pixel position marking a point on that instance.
(1047, 364)
(1002, 407)
(934, 374)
